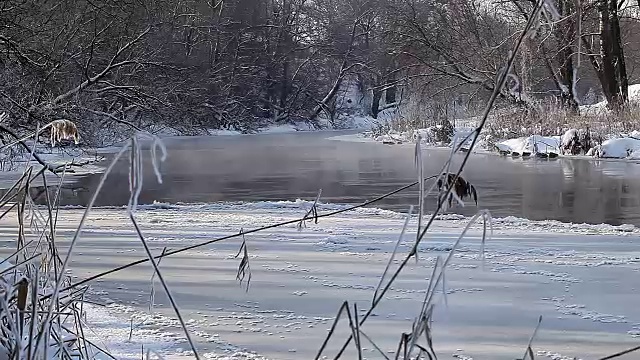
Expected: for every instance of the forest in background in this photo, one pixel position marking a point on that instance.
(240, 64)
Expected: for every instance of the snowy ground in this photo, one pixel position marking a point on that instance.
(583, 280)
(347, 122)
(624, 146)
(601, 107)
(12, 168)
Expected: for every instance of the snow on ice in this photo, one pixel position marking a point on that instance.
(300, 276)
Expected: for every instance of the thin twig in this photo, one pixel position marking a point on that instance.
(164, 284)
(244, 268)
(529, 350)
(621, 353)
(393, 254)
(344, 307)
(374, 344)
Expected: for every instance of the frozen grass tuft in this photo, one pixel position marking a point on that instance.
(40, 314)
(34, 324)
(244, 269)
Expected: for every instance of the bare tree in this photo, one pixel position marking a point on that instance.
(459, 44)
(557, 45)
(608, 62)
(241, 63)
(77, 60)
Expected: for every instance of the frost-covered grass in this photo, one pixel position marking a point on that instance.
(38, 320)
(41, 317)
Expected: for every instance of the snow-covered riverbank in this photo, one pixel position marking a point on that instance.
(581, 278)
(597, 140)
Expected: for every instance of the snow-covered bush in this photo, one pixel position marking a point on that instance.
(576, 141)
(531, 145)
(441, 134)
(626, 147)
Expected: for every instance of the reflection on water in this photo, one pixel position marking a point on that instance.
(291, 166)
(69, 193)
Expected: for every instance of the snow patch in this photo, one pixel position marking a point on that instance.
(600, 108)
(146, 330)
(116, 335)
(582, 312)
(285, 128)
(555, 356)
(635, 331)
(299, 207)
(535, 144)
(620, 148)
(223, 132)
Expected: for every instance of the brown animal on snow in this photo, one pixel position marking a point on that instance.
(63, 129)
(461, 188)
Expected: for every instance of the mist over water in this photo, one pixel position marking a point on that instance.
(290, 166)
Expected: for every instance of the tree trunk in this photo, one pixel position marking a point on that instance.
(285, 48)
(565, 35)
(342, 73)
(614, 74)
(284, 84)
(375, 101)
(390, 95)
